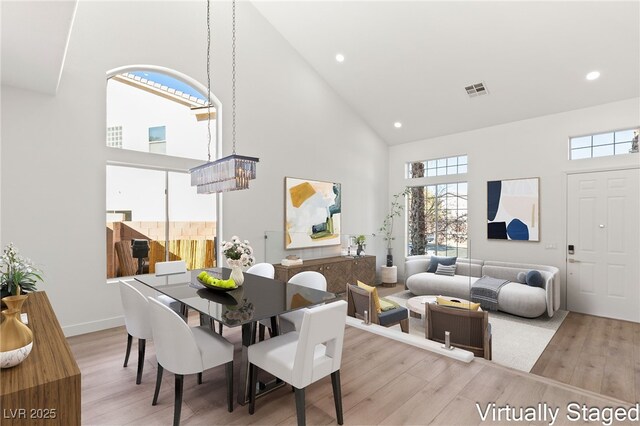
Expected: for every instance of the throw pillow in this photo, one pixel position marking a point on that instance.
(534, 279)
(449, 270)
(374, 295)
(457, 304)
(522, 277)
(435, 260)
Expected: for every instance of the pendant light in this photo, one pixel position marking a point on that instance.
(233, 172)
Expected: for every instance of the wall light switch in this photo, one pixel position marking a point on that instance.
(551, 246)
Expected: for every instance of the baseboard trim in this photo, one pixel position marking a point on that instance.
(455, 353)
(90, 327)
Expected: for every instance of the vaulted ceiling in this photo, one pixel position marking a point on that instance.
(410, 61)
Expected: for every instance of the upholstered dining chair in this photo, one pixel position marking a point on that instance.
(305, 356)
(468, 329)
(360, 300)
(291, 321)
(185, 350)
(137, 322)
(170, 268)
(264, 270)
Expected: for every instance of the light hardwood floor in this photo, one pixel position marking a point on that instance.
(598, 354)
(383, 382)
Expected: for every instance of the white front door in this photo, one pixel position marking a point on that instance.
(602, 226)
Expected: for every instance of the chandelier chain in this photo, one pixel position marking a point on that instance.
(233, 74)
(208, 80)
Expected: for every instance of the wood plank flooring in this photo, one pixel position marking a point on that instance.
(598, 354)
(383, 382)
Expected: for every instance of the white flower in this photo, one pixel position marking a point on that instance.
(235, 238)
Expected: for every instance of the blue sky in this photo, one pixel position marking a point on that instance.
(168, 81)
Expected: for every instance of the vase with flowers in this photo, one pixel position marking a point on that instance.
(17, 275)
(239, 254)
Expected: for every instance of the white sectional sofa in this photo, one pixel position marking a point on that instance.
(514, 298)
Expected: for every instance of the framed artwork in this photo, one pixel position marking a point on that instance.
(312, 213)
(513, 209)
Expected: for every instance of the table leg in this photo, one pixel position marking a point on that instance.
(248, 338)
(248, 331)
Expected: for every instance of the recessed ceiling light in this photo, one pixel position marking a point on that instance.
(397, 124)
(340, 57)
(593, 75)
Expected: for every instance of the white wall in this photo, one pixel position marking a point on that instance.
(54, 154)
(536, 147)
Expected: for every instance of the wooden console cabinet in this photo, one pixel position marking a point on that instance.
(45, 387)
(338, 271)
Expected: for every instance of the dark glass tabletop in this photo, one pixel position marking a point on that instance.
(258, 298)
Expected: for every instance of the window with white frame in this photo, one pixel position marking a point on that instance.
(437, 219)
(603, 144)
(437, 167)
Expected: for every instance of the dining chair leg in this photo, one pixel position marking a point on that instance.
(158, 383)
(200, 378)
(229, 373)
(261, 332)
(404, 325)
(220, 329)
(337, 395)
(142, 344)
(126, 355)
(300, 409)
(253, 378)
(178, 399)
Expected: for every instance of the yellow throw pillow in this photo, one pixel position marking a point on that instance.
(457, 304)
(374, 295)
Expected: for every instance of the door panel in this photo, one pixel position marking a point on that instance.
(602, 223)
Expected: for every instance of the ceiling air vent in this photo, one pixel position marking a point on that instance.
(477, 89)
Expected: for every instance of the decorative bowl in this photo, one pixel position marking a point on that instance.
(216, 288)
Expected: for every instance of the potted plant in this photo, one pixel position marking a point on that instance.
(360, 240)
(386, 230)
(17, 273)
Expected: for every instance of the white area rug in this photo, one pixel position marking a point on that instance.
(517, 342)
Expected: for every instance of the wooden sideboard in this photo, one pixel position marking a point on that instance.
(338, 271)
(45, 387)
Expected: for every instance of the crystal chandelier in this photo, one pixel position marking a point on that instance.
(233, 172)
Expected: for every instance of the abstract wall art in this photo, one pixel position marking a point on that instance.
(312, 213)
(513, 209)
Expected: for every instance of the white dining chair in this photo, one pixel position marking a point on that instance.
(170, 268)
(304, 357)
(291, 321)
(264, 270)
(185, 350)
(137, 322)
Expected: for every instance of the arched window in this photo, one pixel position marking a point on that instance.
(156, 119)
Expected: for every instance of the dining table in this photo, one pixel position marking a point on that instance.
(259, 298)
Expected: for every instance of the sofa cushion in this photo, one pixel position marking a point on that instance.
(425, 283)
(435, 260)
(534, 279)
(449, 270)
(522, 277)
(393, 316)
